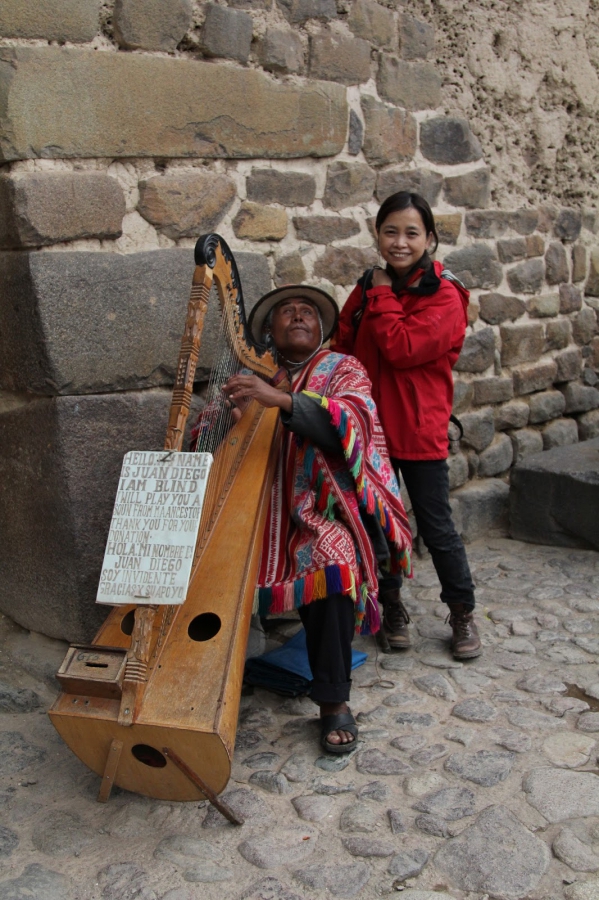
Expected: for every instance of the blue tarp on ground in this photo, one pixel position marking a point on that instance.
(286, 669)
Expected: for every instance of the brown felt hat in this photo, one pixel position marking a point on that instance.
(324, 302)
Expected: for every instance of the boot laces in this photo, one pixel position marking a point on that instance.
(461, 623)
(395, 615)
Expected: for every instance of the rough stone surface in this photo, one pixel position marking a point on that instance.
(576, 854)
(283, 847)
(497, 457)
(390, 135)
(584, 326)
(286, 188)
(422, 181)
(483, 505)
(526, 277)
(543, 306)
(512, 250)
(448, 140)
(448, 227)
(511, 415)
(289, 270)
(536, 377)
(568, 751)
(151, 25)
(546, 405)
(449, 803)
(556, 264)
(298, 11)
(579, 398)
(472, 190)
(478, 352)
(284, 120)
(408, 864)
(372, 22)
(47, 208)
(416, 37)
(335, 57)
(496, 855)
(560, 795)
(412, 85)
(36, 881)
(344, 265)
(569, 364)
(355, 138)
(348, 184)
(570, 298)
(493, 390)
(281, 50)
(312, 809)
(521, 343)
(478, 428)
(342, 880)
(324, 229)
(496, 308)
(560, 433)
(186, 204)
(54, 20)
(227, 33)
(475, 266)
(256, 222)
(487, 223)
(558, 334)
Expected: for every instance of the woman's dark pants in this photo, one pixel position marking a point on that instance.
(329, 626)
(427, 483)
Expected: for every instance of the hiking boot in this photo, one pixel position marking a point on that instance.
(465, 642)
(395, 620)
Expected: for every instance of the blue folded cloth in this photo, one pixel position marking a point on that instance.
(286, 670)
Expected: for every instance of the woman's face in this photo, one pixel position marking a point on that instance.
(403, 239)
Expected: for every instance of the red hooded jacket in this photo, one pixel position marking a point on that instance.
(409, 345)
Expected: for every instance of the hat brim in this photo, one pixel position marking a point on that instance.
(324, 302)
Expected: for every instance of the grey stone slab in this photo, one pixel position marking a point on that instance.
(476, 266)
(408, 864)
(375, 762)
(268, 888)
(344, 880)
(18, 700)
(311, 808)
(397, 822)
(574, 853)
(207, 872)
(568, 751)
(516, 741)
(368, 847)
(485, 767)
(449, 803)
(559, 794)
(360, 818)
(192, 108)
(532, 719)
(9, 841)
(36, 881)
(483, 507)
(297, 768)
(541, 684)
(329, 789)
(588, 722)
(61, 833)
(16, 753)
(181, 849)
(433, 825)
(151, 25)
(76, 21)
(273, 782)
(429, 755)
(474, 711)
(285, 846)
(122, 881)
(409, 742)
(267, 760)
(245, 803)
(374, 790)
(448, 140)
(496, 855)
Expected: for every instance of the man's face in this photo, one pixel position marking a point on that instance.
(295, 329)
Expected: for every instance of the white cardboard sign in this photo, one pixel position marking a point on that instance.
(154, 527)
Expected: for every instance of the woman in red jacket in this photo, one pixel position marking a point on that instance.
(406, 324)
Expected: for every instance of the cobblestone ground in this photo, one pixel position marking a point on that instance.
(474, 780)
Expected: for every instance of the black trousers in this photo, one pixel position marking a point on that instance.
(329, 626)
(427, 483)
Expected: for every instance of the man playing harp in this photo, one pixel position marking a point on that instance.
(335, 514)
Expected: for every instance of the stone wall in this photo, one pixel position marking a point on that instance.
(128, 128)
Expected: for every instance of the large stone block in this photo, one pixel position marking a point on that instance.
(448, 140)
(87, 322)
(493, 390)
(256, 222)
(479, 428)
(420, 181)
(580, 398)
(568, 224)
(289, 269)
(524, 221)
(449, 226)
(483, 507)
(560, 433)
(497, 308)
(526, 442)
(478, 351)
(546, 405)
(554, 497)
(476, 266)
(151, 24)
(591, 288)
(527, 277)
(536, 377)
(413, 85)
(416, 37)
(496, 458)
(65, 102)
(521, 343)
(76, 21)
(57, 500)
(486, 223)
(569, 364)
(556, 264)
(298, 11)
(472, 190)
(286, 188)
(335, 57)
(186, 204)
(588, 425)
(570, 298)
(355, 137)
(391, 133)
(227, 33)
(584, 326)
(281, 50)
(579, 262)
(374, 23)
(348, 184)
(558, 334)
(324, 229)
(51, 207)
(511, 415)
(543, 306)
(512, 249)
(344, 265)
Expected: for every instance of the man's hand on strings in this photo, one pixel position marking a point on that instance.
(240, 389)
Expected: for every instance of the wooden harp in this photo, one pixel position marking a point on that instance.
(152, 704)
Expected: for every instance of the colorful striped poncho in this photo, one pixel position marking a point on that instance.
(315, 543)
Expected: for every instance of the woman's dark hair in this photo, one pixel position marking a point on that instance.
(396, 203)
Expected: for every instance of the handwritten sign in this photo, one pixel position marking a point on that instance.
(154, 528)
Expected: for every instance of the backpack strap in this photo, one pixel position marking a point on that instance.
(449, 276)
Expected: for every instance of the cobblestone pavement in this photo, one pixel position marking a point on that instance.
(470, 780)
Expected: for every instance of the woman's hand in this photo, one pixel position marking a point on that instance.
(380, 278)
(240, 389)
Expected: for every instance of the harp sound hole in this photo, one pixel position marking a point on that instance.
(93, 665)
(127, 622)
(149, 756)
(204, 627)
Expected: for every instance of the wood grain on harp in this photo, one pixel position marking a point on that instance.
(152, 704)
